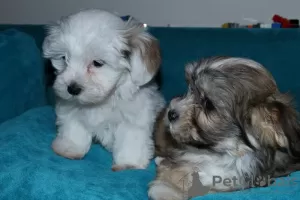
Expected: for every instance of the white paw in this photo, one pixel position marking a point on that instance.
(126, 160)
(123, 163)
(68, 148)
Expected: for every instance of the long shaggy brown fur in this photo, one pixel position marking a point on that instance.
(232, 122)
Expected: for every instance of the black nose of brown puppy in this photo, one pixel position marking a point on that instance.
(173, 115)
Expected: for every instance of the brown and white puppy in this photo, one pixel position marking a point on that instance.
(232, 123)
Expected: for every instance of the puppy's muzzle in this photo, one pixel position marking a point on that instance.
(74, 89)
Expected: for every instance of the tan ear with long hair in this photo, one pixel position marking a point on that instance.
(275, 124)
(145, 56)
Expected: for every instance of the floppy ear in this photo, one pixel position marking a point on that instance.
(144, 55)
(275, 124)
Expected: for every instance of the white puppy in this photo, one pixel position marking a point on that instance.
(104, 86)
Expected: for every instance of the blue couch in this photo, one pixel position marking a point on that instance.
(29, 169)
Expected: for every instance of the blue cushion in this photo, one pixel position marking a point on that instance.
(21, 73)
(276, 49)
(31, 170)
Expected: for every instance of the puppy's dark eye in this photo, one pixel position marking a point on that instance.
(208, 104)
(98, 64)
(126, 54)
(63, 58)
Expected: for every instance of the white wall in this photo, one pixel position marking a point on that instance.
(154, 12)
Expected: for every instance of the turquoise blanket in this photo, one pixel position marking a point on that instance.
(31, 170)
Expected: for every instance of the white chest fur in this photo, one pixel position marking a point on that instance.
(123, 126)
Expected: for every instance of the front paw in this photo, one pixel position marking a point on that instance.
(68, 149)
(126, 160)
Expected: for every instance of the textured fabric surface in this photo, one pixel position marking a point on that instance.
(22, 74)
(276, 49)
(31, 170)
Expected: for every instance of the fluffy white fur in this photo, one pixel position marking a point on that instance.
(118, 103)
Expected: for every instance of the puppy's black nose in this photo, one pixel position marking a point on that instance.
(172, 115)
(74, 89)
